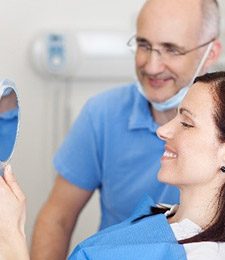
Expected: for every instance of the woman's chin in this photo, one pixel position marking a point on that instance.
(161, 177)
(164, 177)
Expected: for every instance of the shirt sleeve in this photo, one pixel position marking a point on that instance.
(78, 254)
(77, 160)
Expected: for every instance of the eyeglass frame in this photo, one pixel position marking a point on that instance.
(150, 49)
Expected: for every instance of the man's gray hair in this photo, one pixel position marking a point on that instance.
(211, 19)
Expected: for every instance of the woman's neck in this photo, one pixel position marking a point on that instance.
(198, 205)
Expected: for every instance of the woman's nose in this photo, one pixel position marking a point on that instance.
(166, 131)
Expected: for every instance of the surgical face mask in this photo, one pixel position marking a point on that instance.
(175, 100)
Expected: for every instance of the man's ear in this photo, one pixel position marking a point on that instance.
(214, 54)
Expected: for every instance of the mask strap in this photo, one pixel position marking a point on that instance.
(202, 61)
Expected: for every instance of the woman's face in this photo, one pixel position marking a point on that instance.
(193, 154)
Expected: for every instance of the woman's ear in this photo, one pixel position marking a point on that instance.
(222, 158)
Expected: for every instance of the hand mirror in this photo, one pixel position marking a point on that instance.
(9, 121)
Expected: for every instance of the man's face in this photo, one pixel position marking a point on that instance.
(168, 25)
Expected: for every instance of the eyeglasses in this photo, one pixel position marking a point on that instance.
(167, 51)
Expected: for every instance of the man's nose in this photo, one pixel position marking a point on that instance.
(154, 63)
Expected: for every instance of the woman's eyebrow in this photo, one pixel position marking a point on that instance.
(183, 110)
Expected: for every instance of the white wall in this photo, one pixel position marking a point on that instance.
(20, 21)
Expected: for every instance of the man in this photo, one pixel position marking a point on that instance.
(113, 145)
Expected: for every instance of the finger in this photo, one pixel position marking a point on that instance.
(11, 182)
(3, 184)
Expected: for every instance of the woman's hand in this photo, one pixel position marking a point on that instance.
(12, 218)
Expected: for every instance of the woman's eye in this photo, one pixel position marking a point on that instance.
(186, 125)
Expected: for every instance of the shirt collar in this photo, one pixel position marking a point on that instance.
(140, 117)
(185, 229)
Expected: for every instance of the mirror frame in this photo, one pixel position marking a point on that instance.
(4, 84)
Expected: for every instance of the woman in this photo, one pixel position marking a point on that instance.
(194, 161)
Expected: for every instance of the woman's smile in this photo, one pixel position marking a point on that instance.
(169, 155)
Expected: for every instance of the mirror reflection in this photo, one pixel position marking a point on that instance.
(9, 120)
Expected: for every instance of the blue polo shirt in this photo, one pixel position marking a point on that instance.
(112, 146)
(149, 238)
